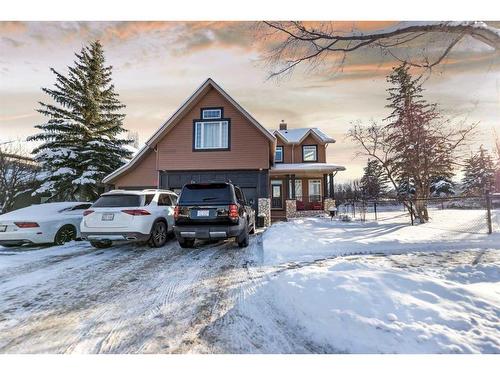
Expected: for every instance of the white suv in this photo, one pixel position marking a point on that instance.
(130, 215)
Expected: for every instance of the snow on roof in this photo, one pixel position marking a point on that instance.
(38, 211)
(317, 167)
(299, 134)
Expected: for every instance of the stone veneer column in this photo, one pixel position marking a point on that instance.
(291, 208)
(265, 209)
(327, 203)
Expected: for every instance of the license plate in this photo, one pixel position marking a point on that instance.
(3, 228)
(108, 217)
(202, 213)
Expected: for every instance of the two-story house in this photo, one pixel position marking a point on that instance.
(212, 138)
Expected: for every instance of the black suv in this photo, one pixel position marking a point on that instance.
(216, 210)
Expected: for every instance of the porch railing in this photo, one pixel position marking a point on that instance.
(309, 203)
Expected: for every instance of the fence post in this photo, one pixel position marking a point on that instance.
(375, 209)
(488, 211)
(411, 212)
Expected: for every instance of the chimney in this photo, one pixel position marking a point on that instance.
(282, 125)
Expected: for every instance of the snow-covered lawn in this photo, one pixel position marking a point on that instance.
(370, 305)
(433, 290)
(313, 238)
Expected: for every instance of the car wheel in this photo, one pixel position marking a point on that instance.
(100, 244)
(186, 243)
(65, 234)
(242, 239)
(158, 234)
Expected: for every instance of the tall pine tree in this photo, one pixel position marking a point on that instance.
(479, 173)
(421, 144)
(81, 141)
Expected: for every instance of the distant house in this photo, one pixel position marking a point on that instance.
(9, 162)
(211, 137)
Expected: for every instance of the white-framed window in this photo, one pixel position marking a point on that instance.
(314, 190)
(310, 153)
(278, 156)
(298, 189)
(210, 114)
(211, 135)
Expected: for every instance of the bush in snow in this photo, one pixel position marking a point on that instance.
(80, 141)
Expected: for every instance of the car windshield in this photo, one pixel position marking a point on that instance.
(206, 194)
(118, 200)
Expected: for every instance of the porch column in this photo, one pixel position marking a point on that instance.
(332, 187)
(287, 186)
(325, 188)
(293, 192)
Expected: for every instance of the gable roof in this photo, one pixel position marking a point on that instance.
(177, 115)
(209, 83)
(296, 136)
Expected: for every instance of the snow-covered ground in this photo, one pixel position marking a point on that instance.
(312, 238)
(305, 286)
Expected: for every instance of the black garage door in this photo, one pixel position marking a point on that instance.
(253, 183)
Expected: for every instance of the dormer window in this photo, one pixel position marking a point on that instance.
(211, 113)
(310, 153)
(278, 156)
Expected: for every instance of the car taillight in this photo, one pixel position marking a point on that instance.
(176, 212)
(27, 224)
(233, 211)
(136, 212)
(87, 212)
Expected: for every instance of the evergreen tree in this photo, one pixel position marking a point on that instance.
(479, 173)
(421, 147)
(373, 183)
(80, 141)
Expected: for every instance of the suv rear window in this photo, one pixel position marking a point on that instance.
(118, 200)
(206, 194)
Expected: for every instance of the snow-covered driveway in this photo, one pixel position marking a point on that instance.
(297, 288)
(129, 298)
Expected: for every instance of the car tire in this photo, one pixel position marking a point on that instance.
(243, 239)
(100, 244)
(159, 234)
(186, 243)
(65, 234)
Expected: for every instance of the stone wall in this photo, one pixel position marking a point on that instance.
(291, 208)
(265, 209)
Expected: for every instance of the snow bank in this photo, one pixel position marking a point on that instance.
(358, 307)
(312, 238)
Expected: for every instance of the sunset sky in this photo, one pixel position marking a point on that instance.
(157, 65)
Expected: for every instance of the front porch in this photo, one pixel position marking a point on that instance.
(300, 190)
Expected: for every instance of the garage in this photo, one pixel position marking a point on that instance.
(253, 182)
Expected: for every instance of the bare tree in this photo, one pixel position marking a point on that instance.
(299, 42)
(17, 174)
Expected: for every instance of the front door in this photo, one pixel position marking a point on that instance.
(276, 194)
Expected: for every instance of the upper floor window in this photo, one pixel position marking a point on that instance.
(278, 156)
(211, 135)
(212, 113)
(310, 153)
